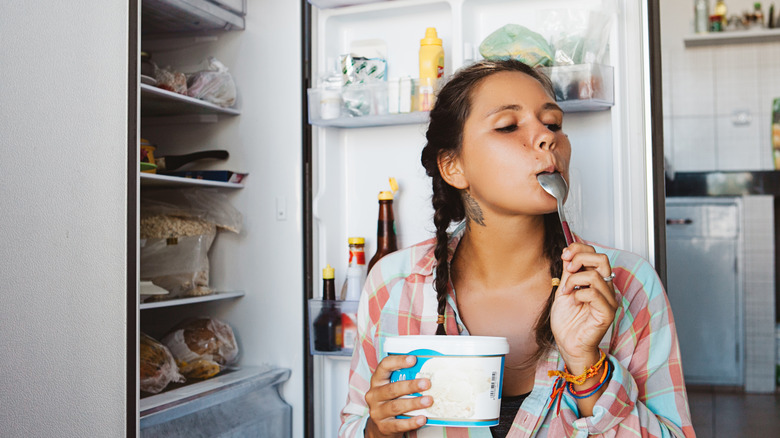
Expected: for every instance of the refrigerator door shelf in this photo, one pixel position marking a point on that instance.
(348, 311)
(583, 87)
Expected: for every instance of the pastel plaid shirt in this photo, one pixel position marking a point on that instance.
(645, 396)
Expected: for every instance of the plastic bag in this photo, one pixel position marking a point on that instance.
(213, 84)
(157, 366)
(578, 36)
(171, 80)
(178, 264)
(209, 205)
(202, 347)
(513, 41)
(178, 228)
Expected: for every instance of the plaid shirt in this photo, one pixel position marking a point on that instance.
(645, 396)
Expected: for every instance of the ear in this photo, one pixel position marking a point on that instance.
(452, 171)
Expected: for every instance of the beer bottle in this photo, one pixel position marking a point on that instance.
(386, 241)
(327, 325)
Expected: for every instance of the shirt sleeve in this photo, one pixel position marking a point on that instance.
(646, 395)
(364, 361)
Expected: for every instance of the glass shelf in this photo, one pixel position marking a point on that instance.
(166, 181)
(216, 296)
(374, 120)
(176, 16)
(156, 102)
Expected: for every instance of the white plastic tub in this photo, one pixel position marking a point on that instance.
(466, 374)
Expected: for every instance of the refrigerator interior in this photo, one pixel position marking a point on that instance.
(609, 182)
(262, 265)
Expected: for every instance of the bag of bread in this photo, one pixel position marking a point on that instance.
(202, 347)
(157, 366)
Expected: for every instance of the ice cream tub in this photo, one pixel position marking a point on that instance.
(466, 374)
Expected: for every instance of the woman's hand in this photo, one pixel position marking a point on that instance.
(384, 402)
(580, 317)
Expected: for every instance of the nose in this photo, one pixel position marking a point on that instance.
(544, 138)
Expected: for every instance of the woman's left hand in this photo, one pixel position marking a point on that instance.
(580, 317)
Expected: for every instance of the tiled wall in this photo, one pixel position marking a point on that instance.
(717, 99)
(718, 106)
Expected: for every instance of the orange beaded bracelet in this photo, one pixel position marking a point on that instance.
(579, 380)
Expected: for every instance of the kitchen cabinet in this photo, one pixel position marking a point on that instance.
(705, 288)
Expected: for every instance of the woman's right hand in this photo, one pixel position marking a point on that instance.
(384, 402)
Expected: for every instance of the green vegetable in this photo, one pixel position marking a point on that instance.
(513, 41)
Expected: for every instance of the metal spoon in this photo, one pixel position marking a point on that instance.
(554, 184)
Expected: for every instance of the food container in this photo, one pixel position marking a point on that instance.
(147, 156)
(466, 374)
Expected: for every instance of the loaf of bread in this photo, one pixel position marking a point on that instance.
(202, 347)
(157, 366)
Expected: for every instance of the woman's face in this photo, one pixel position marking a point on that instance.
(513, 133)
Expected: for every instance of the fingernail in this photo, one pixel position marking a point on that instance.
(410, 360)
(566, 252)
(421, 421)
(427, 401)
(423, 384)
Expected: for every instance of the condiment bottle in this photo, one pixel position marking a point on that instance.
(722, 11)
(701, 9)
(327, 325)
(431, 68)
(386, 241)
(353, 285)
(356, 271)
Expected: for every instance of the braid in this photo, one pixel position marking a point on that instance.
(445, 204)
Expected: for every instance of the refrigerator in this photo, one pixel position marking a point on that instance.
(310, 185)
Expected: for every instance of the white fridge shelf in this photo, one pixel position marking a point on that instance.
(243, 385)
(375, 120)
(174, 16)
(167, 181)
(156, 102)
(216, 296)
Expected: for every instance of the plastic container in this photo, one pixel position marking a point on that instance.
(582, 87)
(466, 374)
(316, 307)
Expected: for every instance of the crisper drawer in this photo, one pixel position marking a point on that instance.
(702, 217)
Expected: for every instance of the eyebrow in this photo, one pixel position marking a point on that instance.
(549, 106)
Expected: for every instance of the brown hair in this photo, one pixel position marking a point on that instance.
(444, 138)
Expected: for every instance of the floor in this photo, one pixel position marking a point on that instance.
(721, 414)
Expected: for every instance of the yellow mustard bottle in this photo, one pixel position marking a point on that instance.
(431, 68)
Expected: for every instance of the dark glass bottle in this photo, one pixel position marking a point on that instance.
(327, 325)
(386, 241)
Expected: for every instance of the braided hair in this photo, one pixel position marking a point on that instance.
(445, 139)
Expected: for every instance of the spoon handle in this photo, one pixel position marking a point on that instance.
(567, 232)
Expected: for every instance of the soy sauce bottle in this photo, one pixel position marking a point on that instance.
(327, 325)
(386, 240)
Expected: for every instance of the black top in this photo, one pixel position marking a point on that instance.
(509, 408)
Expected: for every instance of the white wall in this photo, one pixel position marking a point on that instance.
(63, 112)
(707, 88)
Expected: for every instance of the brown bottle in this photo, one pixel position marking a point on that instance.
(386, 241)
(327, 325)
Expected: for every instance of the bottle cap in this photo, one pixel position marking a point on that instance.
(431, 39)
(385, 196)
(328, 273)
(357, 241)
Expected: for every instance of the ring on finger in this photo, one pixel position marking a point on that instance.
(609, 277)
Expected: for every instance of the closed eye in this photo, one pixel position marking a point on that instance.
(508, 128)
(554, 127)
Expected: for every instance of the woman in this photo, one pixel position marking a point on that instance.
(505, 270)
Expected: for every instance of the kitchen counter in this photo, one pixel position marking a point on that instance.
(724, 183)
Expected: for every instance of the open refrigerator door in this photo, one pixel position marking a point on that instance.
(603, 89)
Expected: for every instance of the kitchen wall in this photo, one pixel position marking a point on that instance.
(717, 99)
